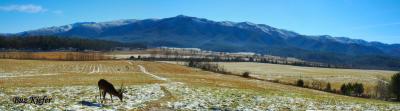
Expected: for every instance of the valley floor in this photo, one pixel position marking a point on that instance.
(158, 85)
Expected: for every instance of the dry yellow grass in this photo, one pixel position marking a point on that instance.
(80, 75)
(198, 78)
(290, 74)
(29, 73)
(76, 79)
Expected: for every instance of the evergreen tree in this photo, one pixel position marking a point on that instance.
(395, 85)
(300, 83)
(358, 89)
(343, 89)
(328, 87)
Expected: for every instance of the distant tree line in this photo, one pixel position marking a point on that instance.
(207, 66)
(214, 67)
(176, 56)
(297, 63)
(55, 55)
(51, 43)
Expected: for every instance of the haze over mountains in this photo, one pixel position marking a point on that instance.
(185, 31)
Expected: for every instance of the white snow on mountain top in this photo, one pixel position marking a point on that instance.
(51, 30)
(271, 31)
(96, 25)
(100, 25)
(111, 23)
(227, 23)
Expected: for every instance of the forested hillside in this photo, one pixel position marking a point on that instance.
(49, 43)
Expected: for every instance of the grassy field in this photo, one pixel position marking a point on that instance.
(290, 74)
(29, 73)
(73, 85)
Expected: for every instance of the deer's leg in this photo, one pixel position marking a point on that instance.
(104, 95)
(111, 98)
(100, 94)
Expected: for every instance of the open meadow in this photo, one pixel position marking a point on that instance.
(161, 86)
(290, 74)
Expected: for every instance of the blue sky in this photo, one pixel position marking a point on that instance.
(371, 20)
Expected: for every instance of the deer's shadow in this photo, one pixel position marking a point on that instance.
(87, 103)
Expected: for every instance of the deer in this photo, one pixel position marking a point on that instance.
(106, 87)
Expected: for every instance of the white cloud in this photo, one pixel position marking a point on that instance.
(26, 8)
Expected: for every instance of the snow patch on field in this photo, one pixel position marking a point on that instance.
(80, 98)
(302, 69)
(187, 98)
(201, 98)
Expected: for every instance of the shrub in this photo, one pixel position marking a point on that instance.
(346, 89)
(343, 89)
(275, 81)
(382, 90)
(395, 85)
(328, 87)
(300, 83)
(191, 63)
(246, 74)
(335, 91)
(352, 89)
(132, 57)
(316, 84)
(358, 89)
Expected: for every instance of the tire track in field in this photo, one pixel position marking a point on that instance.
(145, 71)
(95, 68)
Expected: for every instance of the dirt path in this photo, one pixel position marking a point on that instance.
(145, 71)
(156, 105)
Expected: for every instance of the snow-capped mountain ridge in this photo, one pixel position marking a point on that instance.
(186, 31)
(244, 25)
(226, 36)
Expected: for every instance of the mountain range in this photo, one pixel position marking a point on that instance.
(193, 32)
